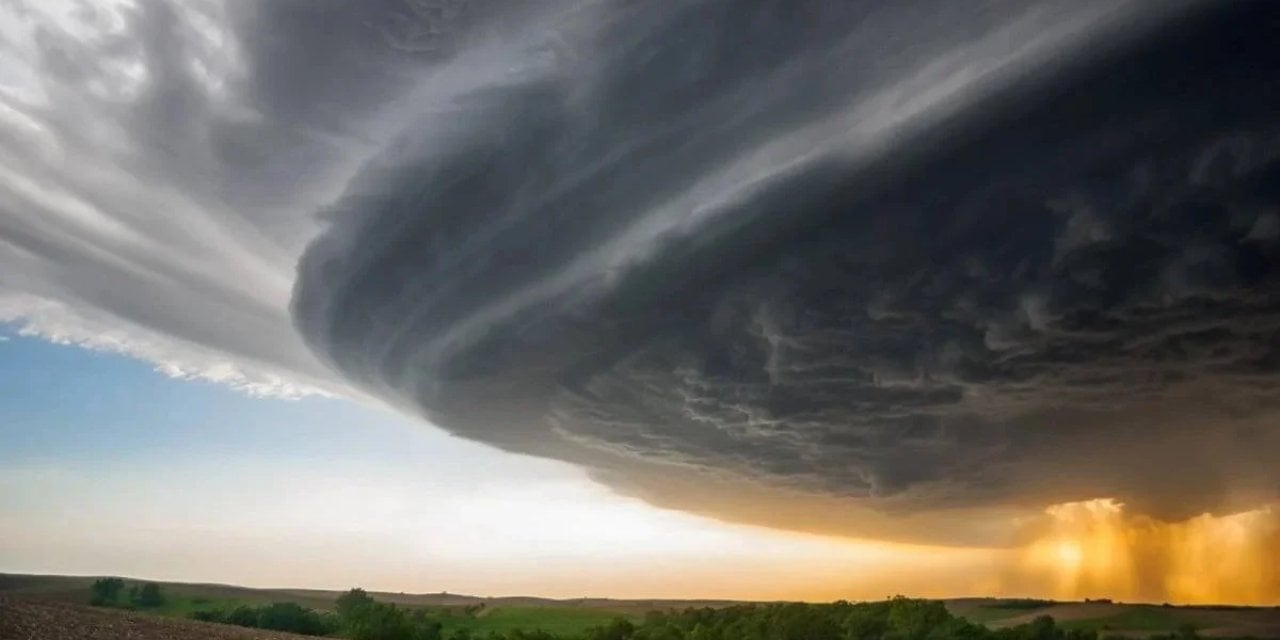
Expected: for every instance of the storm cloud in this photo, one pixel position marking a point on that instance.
(905, 269)
(887, 258)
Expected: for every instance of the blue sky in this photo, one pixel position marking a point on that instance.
(132, 413)
(110, 467)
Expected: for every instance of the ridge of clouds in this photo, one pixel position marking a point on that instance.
(982, 270)
(883, 269)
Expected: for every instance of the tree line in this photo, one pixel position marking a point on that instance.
(358, 616)
(110, 592)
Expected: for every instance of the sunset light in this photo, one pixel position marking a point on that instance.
(1095, 549)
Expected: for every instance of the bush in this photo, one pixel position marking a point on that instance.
(378, 621)
(106, 592)
(352, 601)
(212, 615)
(287, 616)
(243, 616)
(147, 596)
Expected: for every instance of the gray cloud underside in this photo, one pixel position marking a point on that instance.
(864, 266)
(163, 162)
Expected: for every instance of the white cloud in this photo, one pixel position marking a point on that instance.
(151, 203)
(62, 324)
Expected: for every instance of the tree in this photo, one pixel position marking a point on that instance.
(352, 601)
(379, 621)
(617, 629)
(105, 591)
(243, 616)
(289, 616)
(149, 596)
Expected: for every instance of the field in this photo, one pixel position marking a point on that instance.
(482, 615)
(1125, 619)
(475, 613)
(23, 618)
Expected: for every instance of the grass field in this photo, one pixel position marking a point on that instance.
(1126, 619)
(559, 620)
(482, 615)
(989, 612)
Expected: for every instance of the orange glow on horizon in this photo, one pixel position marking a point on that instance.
(1095, 549)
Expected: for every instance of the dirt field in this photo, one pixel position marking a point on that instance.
(26, 619)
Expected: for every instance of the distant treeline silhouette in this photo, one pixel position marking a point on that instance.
(359, 617)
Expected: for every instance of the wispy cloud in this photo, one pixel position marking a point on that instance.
(162, 169)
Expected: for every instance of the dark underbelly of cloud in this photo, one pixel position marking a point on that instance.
(901, 257)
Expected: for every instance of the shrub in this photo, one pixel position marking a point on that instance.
(287, 616)
(243, 616)
(377, 621)
(105, 591)
(148, 596)
(212, 615)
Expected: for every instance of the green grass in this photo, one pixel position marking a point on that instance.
(1136, 618)
(558, 620)
(984, 615)
(997, 610)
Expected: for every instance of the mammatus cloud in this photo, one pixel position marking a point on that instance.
(880, 265)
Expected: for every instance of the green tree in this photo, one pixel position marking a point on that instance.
(148, 596)
(105, 591)
(352, 601)
(378, 621)
(617, 629)
(292, 617)
(1042, 628)
(912, 619)
(243, 616)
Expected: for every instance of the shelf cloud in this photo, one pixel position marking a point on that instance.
(839, 268)
(910, 270)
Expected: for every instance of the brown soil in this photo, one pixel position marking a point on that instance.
(28, 619)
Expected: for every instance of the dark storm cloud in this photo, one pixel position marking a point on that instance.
(898, 257)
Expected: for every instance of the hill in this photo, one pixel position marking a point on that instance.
(34, 619)
(568, 616)
(1124, 619)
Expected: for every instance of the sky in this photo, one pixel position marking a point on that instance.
(565, 298)
(179, 480)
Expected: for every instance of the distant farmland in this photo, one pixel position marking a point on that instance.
(503, 614)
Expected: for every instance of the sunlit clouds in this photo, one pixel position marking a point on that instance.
(1095, 549)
